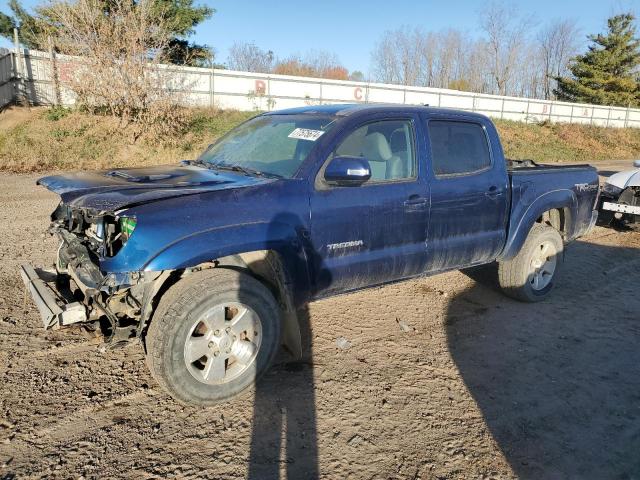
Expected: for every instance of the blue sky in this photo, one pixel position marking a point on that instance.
(351, 28)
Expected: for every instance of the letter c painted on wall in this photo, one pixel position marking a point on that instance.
(357, 93)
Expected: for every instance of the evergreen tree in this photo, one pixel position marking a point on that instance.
(25, 22)
(607, 74)
(183, 17)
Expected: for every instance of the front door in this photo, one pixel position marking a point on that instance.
(372, 233)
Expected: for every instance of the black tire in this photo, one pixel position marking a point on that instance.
(516, 275)
(181, 307)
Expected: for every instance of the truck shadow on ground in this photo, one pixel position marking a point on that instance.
(558, 382)
(284, 433)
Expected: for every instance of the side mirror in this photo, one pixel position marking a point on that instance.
(347, 171)
(636, 164)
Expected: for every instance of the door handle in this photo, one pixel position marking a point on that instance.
(415, 202)
(493, 192)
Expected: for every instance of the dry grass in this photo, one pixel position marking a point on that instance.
(57, 139)
(549, 143)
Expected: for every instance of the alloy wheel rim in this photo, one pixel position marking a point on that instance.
(223, 343)
(543, 266)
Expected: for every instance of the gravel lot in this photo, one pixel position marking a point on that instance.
(445, 378)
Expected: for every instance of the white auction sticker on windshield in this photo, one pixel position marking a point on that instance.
(306, 134)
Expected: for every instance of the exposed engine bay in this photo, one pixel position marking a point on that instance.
(77, 292)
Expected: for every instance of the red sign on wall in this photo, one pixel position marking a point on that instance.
(261, 87)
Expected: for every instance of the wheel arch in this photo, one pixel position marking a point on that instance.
(557, 209)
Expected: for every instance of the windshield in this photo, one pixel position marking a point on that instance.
(272, 144)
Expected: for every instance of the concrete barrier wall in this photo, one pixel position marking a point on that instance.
(254, 91)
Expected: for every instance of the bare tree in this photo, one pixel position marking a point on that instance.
(397, 56)
(506, 34)
(118, 65)
(506, 61)
(559, 42)
(316, 63)
(248, 57)
(475, 70)
(326, 64)
(528, 78)
(429, 59)
(384, 60)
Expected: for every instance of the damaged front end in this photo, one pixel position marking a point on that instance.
(77, 291)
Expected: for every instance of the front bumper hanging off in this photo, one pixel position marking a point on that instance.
(55, 309)
(621, 208)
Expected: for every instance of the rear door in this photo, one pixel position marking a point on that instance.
(376, 232)
(469, 193)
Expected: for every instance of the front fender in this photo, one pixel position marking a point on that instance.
(219, 242)
(524, 216)
(277, 236)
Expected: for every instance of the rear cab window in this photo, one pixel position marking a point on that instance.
(458, 148)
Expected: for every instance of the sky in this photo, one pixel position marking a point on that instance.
(350, 29)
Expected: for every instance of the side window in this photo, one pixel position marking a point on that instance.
(458, 147)
(388, 147)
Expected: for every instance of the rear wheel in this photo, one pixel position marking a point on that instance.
(531, 275)
(214, 333)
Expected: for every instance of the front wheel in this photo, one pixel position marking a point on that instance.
(214, 333)
(531, 275)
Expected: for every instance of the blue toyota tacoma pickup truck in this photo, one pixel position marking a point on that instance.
(207, 262)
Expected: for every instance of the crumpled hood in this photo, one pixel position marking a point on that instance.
(112, 190)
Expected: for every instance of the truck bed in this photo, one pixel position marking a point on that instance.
(571, 188)
(514, 166)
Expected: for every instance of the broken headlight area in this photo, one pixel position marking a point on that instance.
(611, 191)
(104, 233)
(113, 302)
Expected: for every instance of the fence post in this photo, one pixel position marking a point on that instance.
(57, 100)
(20, 90)
(608, 116)
(269, 93)
(212, 87)
(550, 110)
(526, 117)
(626, 116)
(320, 93)
(502, 110)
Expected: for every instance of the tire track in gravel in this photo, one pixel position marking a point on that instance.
(77, 424)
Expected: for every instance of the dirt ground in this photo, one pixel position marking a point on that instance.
(445, 378)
